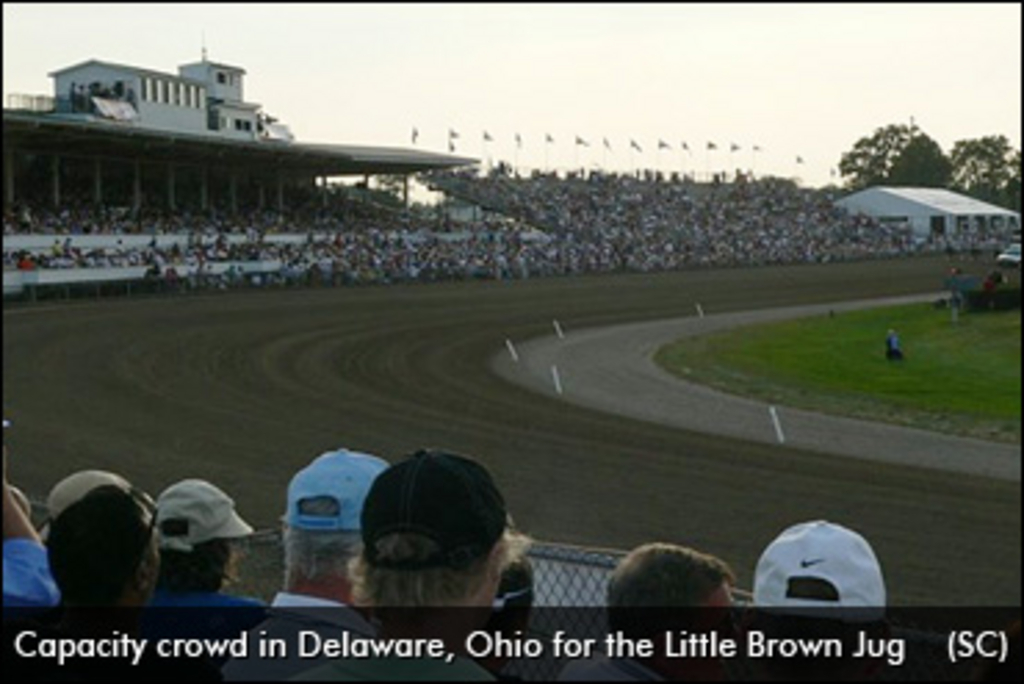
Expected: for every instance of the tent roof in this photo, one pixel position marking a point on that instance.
(934, 200)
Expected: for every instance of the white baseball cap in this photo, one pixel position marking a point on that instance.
(194, 511)
(821, 554)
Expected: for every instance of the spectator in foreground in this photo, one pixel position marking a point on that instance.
(104, 558)
(321, 537)
(656, 589)
(512, 608)
(75, 486)
(28, 582)
(436, 540)
(819, 580)
(198, 530)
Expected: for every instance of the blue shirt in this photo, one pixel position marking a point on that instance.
(27, 579)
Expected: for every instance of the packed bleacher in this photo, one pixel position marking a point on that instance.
(539, 226)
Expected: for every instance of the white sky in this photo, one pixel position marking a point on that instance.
(807, 80)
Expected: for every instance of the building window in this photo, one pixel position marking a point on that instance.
(165, 92)
(221, 77)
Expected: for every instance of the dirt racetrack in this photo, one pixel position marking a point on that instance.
(244, 388)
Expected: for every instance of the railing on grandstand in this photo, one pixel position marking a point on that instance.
(38, 104)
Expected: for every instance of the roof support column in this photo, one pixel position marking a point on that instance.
(55, 176)
(137, 187)
(8, 176)
(97, 182)
(170, 186)
(405, 191)
(204, 188)
(323, 191)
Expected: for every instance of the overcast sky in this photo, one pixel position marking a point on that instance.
(795, 80)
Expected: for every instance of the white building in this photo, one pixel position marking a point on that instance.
(202, 98)
(932, 212)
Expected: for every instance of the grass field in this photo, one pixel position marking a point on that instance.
(961, 378)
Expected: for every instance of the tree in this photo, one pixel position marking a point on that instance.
(922, 163)
(871, 160)
(985, 168)
(1012, 193)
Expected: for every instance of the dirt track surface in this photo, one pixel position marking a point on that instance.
(245, 388)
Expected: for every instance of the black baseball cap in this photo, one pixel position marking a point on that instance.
(445, 497)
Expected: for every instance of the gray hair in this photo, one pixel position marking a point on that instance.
(430, 587)
(317, 554)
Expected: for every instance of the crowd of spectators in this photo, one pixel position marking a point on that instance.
(422, 552)
(532, 227)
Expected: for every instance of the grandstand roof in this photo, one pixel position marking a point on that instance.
(903, 201)
(76, 136)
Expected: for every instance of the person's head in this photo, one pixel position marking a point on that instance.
(74, 487)
(197, 523)
(510, 616)
(103, 550)
(436, 533)
(819, 580)
(659, 588)
(322, 520)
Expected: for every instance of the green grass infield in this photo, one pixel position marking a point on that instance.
(962, 378)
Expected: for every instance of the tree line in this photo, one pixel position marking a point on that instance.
(986, 168)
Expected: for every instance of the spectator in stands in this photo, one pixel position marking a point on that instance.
(819, 580)
(103, 555)
(510, 618)
(28, 582)
(436, 540)
(321, 537)
(657, 589)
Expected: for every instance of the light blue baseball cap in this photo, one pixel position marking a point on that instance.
(328, 494)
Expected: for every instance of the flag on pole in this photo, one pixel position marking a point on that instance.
(452, 134)
(634, 145)
(519, 140)
(451, 146)
(581, 141)
(734, 147)
(487, 137)
(685, 146)
(712, 146)
(415, 135)
(662, 145)
(548, 138)
(799, 159)
(607, 145)
(757, 148)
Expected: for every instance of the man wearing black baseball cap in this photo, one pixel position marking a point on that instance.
(436, 539)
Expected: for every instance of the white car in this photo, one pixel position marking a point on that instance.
(1009, 257)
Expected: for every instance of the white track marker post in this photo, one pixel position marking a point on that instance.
(512, 351)
(778, 426)
(700, 310)
(557, 380)
(558, 329)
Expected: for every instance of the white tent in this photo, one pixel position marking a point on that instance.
(931, 211)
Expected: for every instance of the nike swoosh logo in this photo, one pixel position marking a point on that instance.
(809, 563)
